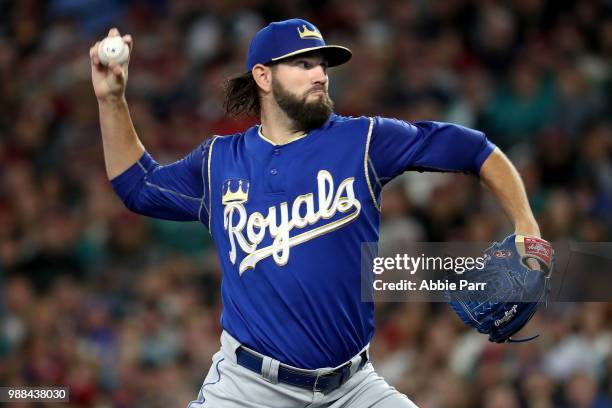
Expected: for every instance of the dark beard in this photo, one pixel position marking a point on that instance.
(306, 116)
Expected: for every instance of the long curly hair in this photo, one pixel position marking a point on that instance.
(241, 96)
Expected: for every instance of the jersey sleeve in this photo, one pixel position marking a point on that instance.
(397, 146)
(177, 191)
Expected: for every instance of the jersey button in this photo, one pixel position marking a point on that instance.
(276, 152)
(274, 172)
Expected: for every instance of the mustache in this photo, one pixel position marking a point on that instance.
(317, 88)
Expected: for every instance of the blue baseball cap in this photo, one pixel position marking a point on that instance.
(283, 39)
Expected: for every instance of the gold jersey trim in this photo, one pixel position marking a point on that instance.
(365, 165)
(275, 144)
(210, 149)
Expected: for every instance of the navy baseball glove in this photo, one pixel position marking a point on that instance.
(513, 290)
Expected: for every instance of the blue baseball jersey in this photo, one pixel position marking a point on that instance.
(288, 222)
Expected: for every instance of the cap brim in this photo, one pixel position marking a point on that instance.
(334, 54)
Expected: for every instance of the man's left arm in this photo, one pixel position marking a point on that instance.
(399, 146)
(500, 175)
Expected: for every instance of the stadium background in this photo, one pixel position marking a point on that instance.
(124, 310)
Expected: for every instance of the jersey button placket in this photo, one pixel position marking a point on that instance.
(275, 165)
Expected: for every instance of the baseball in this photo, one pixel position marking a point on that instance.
(113, 49)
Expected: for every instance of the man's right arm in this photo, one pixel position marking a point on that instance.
(175, 191)
(122, 148)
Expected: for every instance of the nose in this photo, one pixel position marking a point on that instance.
(319, 75)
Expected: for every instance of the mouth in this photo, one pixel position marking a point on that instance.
(317, 92)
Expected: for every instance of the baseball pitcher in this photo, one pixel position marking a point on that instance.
(288, 203)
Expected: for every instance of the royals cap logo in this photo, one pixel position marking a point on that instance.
(306, 33)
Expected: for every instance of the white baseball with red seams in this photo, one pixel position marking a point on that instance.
(113, 49)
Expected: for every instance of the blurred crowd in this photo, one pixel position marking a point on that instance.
(125, 310)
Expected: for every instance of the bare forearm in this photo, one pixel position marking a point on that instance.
(122, 148)
(500, 175)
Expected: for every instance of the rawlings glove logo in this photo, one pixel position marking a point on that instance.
(507, 316)
(502, 253)
(537, 247)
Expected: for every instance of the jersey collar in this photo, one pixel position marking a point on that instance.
(261, 135)
(257, 143)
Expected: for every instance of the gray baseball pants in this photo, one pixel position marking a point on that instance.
(229, 385)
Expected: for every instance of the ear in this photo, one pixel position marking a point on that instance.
(263, 77)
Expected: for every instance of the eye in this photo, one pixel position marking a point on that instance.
(310, 65)
(305, 64)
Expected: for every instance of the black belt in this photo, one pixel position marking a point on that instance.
(323, 382)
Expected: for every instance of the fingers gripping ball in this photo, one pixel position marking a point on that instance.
(113, 49)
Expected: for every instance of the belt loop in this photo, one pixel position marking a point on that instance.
(229, 345)
(358, 362)
(355, 364)
(316, 382)
(365, 357)
(269, 369)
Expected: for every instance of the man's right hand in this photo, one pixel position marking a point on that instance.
(109, 82)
